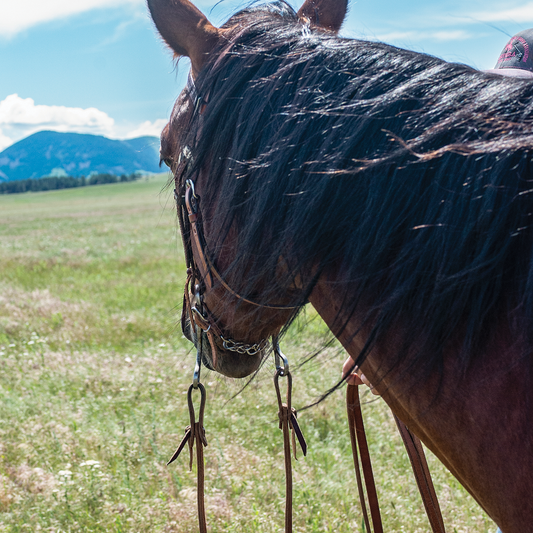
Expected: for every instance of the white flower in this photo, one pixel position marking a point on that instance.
(91, 464)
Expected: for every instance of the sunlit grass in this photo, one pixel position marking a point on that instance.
(93, 391)
(99, 264)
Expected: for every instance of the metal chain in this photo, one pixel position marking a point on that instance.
(244, 348)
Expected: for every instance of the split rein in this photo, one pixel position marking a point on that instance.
(288, 423)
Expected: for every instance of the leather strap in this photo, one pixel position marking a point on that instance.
(290, 427)
(359, 443)
(197, 249)
(195, 434)
(417, 458)
(422, 475)
(205, 266)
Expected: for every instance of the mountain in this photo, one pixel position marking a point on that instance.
(49, 153)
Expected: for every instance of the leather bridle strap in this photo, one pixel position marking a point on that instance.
(289, 424)
(284, 415)
(195, 434)
(198, 255)
(205, 266)
(422, 475)
(417, 458)
(359, 443)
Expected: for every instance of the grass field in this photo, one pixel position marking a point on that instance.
(94, 374)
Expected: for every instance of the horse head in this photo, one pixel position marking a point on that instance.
(228, 323)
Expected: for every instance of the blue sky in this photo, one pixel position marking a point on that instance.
(97, 66)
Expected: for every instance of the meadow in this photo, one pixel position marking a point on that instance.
(93, 382)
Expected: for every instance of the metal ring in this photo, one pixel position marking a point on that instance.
(278, 355)
(190, 183)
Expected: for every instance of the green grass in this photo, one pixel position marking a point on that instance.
(98, 264)
(93, 391)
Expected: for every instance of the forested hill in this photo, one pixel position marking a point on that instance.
(49, 153)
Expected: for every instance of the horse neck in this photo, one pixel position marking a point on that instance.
(477, 422)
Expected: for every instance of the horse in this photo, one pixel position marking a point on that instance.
(391, 190)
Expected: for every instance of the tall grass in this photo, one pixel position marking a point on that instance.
(94, 374)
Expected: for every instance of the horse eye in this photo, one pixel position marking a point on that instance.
(168, 162)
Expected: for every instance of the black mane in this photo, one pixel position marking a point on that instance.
(408, 176)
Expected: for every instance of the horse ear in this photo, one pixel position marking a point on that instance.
(185, 29)
(326, 14)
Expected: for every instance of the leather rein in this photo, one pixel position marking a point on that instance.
(201, 276)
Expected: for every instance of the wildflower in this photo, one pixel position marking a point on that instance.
(91, 463)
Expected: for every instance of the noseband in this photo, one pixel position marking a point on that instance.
(201, 271)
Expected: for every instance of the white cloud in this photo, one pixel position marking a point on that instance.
(522, 14)
(20, 117)
(19, 15)
(148, 128)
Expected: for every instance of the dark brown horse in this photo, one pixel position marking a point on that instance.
(392, 191)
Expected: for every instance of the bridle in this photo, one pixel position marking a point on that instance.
(201, 274)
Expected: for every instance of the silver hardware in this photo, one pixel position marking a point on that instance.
(198, 365)
(278, 355)
(198, 104)
(190, 184)
(187, 154)
(244, 348)
(200, 320)
(184, 154)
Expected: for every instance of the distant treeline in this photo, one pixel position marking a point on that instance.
(66, 182)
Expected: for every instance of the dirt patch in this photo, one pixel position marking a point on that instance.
(32, 480)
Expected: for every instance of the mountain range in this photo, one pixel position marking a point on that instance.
(49, 153)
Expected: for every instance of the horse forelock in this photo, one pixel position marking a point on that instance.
(408, 176)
